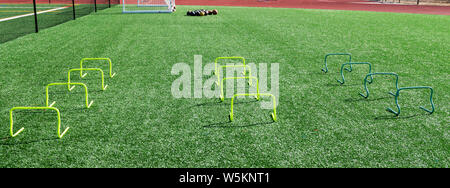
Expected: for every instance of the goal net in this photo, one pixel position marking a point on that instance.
(148, 6)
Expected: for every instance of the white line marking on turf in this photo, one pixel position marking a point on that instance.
(31, 14)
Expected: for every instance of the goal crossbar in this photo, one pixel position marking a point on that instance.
(148, 6)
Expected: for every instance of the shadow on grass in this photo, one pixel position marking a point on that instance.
(218, 102)
(228, 124)
(316, 73)
(364, 99)
(339, 85)
(24, 142)
(393, 117)
(75, 91)
(76, 78)
(78, 109)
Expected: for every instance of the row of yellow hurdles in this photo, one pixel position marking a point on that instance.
(70, 86)
(257, 95)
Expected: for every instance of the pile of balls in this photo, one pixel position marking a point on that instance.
(202, 12)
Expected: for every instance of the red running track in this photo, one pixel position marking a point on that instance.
(361, 5)
(58, 1)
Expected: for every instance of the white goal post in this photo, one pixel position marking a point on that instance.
(148, 6)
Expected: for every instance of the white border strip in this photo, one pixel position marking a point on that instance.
(31, 14)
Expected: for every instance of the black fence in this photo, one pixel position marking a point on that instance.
(21, 17)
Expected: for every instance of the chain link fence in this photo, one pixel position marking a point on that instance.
(21, 17)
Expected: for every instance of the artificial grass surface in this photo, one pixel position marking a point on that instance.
(137, 123)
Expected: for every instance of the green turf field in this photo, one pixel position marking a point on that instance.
(137, 123)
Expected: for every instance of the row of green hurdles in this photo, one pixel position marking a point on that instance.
(370, 75)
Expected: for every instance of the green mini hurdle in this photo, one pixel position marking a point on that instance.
(60, 135)
(379, 73)
(325, 70)
(397, 95)
(96, 59)
(355, 63)
(88, 105)
(274, 114)
(86, 69)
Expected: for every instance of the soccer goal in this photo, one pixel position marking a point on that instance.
(148, 6)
